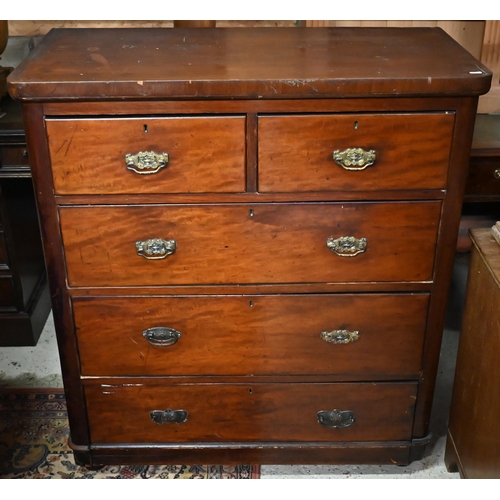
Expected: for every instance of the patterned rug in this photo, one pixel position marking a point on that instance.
(33, 445)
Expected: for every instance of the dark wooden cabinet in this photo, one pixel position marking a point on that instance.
(24, 291)
(250, 235)
(483, 181)
(473, 444)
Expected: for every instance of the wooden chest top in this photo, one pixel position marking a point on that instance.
(267, 63)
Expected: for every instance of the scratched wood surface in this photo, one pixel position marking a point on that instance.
(261, 243)
(206, 154)
(249, 412)
(237, 335)
(130, 63)
(412, 151)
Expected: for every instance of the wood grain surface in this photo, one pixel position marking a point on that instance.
(248, 412)
(102, 64)
(206, 154)
(261, 243)
(253, 334)
(296, 152)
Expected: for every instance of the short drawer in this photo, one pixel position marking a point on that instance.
(368, 336)
(121, 412)
(409, 151)
(14, 156)
(483, 180)
(177, 155)
(262, 243)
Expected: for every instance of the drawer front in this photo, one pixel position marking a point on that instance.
(205, 154)
(14, 156)
(411, 152)
(249, 412)
(483, 178)
(267, 243)
(298, 334)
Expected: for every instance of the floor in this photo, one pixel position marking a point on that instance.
(39, 367)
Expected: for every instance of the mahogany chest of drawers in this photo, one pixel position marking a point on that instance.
(250, 235)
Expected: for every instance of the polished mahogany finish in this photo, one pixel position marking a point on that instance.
(205, 154)
(412, 151)
(98, 65)
(232, 244)
(252, 300)
(229, 326)
(248, 412)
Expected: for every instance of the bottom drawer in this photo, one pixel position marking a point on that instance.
(249, 412)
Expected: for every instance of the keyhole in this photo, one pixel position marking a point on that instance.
(251, 303)
(356, 125)
(250, 391)
(145, 129)
(250, 213)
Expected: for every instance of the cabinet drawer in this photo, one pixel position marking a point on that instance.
(297, 334)
(14, 156)
(262, 243)
(205, 154)
(484, 178)
(411, 152)
(248, 412)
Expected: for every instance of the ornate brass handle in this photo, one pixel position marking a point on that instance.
(336, 418)
(146, 162)
(155, 248)
(355, 158)
(496, 173)
(161, 336)
(340, 336)
(347, 246)
(169, 416)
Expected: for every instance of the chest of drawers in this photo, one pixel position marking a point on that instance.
(249, 235)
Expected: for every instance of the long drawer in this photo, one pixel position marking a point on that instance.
(121, 412)
(351, 336)
(262, 243)
(374, 151)
(178, 155)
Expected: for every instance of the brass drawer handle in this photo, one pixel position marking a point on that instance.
(336, 419)
(161, 336)
(347, 246)
(340, 336)
(496, 173)
(146, 162)
(168, 416)
(355, 158)
(155, 248)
